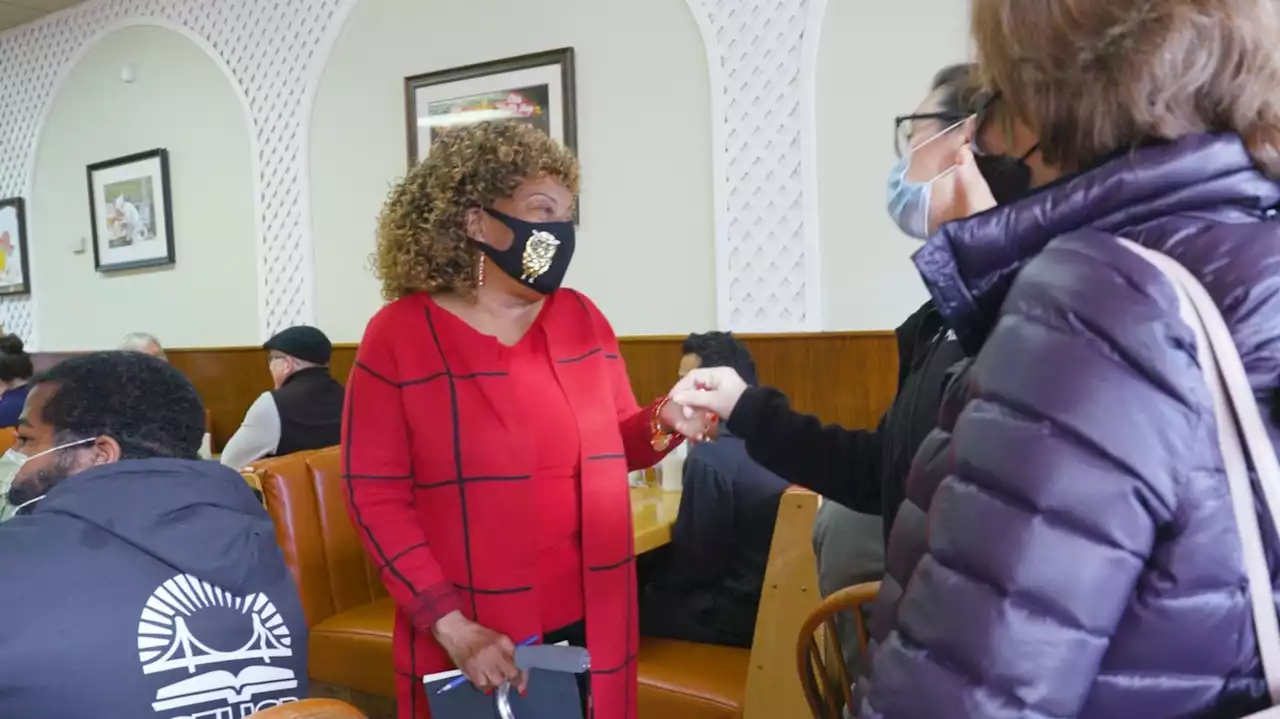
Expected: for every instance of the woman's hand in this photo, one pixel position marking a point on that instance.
(714, 390)
(694, 424)
(484, 656)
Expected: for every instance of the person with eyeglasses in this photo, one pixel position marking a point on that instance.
(864, 471)
(302, 412)
(1071, 546)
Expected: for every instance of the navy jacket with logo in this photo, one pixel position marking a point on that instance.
(147, 588)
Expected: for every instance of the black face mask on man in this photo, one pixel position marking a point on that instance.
(539, 254)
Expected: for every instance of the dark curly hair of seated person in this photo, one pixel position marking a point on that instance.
(722, 349)
(147, 406)
(422, 243)
(15, 363)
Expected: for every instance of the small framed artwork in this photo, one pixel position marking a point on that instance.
(131, 212)
(15, 273)
(537, 89)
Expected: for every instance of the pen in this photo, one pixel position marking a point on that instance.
(459, 681)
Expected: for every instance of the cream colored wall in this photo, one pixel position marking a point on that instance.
(876, 61)
(181, 101)
(646, 243)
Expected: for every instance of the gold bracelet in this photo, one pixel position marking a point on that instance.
(659, 438)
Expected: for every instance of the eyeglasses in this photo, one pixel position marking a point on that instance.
(904, 127)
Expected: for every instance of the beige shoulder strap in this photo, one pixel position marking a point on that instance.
(1240, 431)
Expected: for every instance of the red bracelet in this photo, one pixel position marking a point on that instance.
(659, 438)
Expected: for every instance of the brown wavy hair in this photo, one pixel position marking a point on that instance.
(1094, 77)
(422, 240)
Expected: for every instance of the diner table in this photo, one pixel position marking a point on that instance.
(653, 512)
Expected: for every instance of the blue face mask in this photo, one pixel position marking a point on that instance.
(909, 201)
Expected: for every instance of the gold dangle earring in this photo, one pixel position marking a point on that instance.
(480, 272)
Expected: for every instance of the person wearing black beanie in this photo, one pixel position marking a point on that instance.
(303, 412)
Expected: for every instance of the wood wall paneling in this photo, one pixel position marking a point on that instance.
(844, 377)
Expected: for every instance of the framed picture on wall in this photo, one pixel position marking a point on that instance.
(131, 212)
(537, 89)
(15, 273)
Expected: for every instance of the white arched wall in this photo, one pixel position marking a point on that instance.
(179, 100)
(875, 62)
(762, 56)
(646, 252)
(275, 52)
(750, 124)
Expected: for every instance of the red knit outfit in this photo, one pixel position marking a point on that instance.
(548, 416)
(481, 477)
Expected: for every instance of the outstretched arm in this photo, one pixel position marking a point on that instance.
(841, 464)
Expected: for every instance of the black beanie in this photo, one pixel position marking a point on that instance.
(306, 343)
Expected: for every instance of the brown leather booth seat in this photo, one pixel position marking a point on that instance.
(310, 709)
(686, 680)
(347, 609)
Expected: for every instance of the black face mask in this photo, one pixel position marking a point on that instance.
(539, 254)
(1008, 177)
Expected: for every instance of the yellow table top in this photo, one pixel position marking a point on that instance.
(653, 511)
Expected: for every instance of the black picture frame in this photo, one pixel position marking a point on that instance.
(19, 206)
(564, 57)
(169, 257)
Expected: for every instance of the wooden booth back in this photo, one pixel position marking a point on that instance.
(843, 377)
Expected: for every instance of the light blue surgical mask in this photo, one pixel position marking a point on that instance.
(10, 463)
(909, 201)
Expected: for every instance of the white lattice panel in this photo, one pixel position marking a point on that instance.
(272, 48)
(761, 55)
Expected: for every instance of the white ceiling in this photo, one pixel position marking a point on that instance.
(17, 12)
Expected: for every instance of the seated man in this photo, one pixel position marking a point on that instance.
(138, 580)
(708, 587)
(144, 343)
(304, 411)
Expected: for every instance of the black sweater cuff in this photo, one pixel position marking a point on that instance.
(757, 409)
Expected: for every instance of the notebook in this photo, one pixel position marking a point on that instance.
(551, 695)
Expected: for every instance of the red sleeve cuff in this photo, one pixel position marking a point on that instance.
(433, 603)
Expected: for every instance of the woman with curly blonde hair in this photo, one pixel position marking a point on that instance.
(490, 426)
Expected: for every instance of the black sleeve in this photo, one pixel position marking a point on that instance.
(841, 464)
(702, 538)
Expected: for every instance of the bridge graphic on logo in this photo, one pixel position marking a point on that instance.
(165, 641)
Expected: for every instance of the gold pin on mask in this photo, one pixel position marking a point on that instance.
(539, 251)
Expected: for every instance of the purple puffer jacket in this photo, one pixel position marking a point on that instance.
(1067, 542)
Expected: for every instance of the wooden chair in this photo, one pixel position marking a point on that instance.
(311, 709)
(819, 662)
(254, 480)
(686, 680)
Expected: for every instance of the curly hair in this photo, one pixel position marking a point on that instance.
(422, 239)
(15, 363)
(150, 408)
(722, 349)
